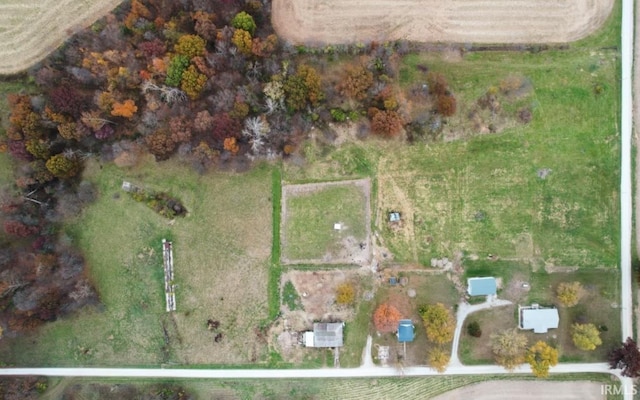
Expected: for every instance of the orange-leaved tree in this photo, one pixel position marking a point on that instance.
(386, 318)
(126, 109)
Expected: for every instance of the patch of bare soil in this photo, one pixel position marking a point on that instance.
(317, 291)
(517, 289)
(31, 29)
(527, 390)
(454, 21)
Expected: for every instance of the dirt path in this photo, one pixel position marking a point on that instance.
(404, 205)
(457, 21)
(527, 390)
(31, 29)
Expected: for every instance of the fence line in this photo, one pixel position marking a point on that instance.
(169, 287)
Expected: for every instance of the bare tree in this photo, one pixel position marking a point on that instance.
(272, 105)
(168, 94)
(256, 129)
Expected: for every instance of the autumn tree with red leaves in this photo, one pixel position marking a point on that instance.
(386, 318)
(446, 105)
(19, 229)
(224, 126)
(204, 25)
(68, 100)
(626, 358)
(356, 81)
(386, 122)
(160, 144)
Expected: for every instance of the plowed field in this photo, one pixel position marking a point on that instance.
(31, 29)
(457, 21)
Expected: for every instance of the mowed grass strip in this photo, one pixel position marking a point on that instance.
(221, 253)
(309, 232)
(483, 195)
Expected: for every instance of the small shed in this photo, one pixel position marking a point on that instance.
(406, 331)
(394, 217)
(325, 334)
(485, 286)
(536, 318)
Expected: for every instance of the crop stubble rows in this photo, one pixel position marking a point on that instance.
(458, 21)
(31, 29)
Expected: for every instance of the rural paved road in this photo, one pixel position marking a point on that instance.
(626, 201)
(361, 372)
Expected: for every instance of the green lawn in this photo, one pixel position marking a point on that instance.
(309, 223)
(599, 306)
(483, 195)
(221, 252)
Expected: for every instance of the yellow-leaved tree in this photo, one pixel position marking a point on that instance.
(509, 348)
(585, 336)
(438, 359)
(438, 322)
(541, 356)
(569, 293)
(345, 294)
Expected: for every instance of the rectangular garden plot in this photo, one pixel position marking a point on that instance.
(326, 223)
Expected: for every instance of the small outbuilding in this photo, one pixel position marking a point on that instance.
(536, 318)
(406, 331)
(325, 334)
(485, 286)
(394, 217)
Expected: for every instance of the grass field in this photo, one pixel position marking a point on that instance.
(221, 252)
(321, 389)
(310, 216)
(483, 195)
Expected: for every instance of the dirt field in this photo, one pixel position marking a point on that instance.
(525, 390)
(31, 29)
(458, 21)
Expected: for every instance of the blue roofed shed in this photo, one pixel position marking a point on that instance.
(406, 331)
(481, 286)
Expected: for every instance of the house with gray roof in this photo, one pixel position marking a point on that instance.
(325, 334)
(485, 286)
(536, 318)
